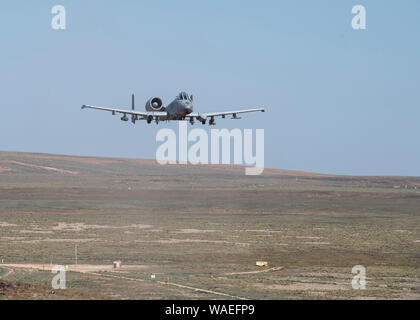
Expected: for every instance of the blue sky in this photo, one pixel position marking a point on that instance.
(338, 100)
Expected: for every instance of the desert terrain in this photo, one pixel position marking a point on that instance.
(200, 230)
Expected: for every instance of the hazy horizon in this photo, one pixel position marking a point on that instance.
(192, 165)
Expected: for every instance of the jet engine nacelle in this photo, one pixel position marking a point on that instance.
(155, 104)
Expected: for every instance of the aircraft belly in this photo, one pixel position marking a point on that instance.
(177, 116)
(176, 111)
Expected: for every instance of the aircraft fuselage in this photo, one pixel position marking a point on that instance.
(178, 109)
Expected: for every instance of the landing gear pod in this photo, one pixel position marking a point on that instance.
(202, 119)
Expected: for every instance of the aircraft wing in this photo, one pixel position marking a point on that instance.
(225, 113)
(203, 116)
(143, 115)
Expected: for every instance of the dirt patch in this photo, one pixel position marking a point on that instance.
(300, 286)
(59, 240)
(320, 213)
(194, 231)
(64, 226)
(261, 230)
(5, 225)
(86, 160)
(175, 241)
(321, 275)
(76, 212)
(254, 272)
(317, 243)
(84, 268)
(12, 238)
(34, 166)
(308, 237)
(139, 226)
(35, 231)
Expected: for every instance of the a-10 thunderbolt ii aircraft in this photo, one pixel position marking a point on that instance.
(181, 108)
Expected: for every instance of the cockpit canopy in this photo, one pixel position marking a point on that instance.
(184, 96)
